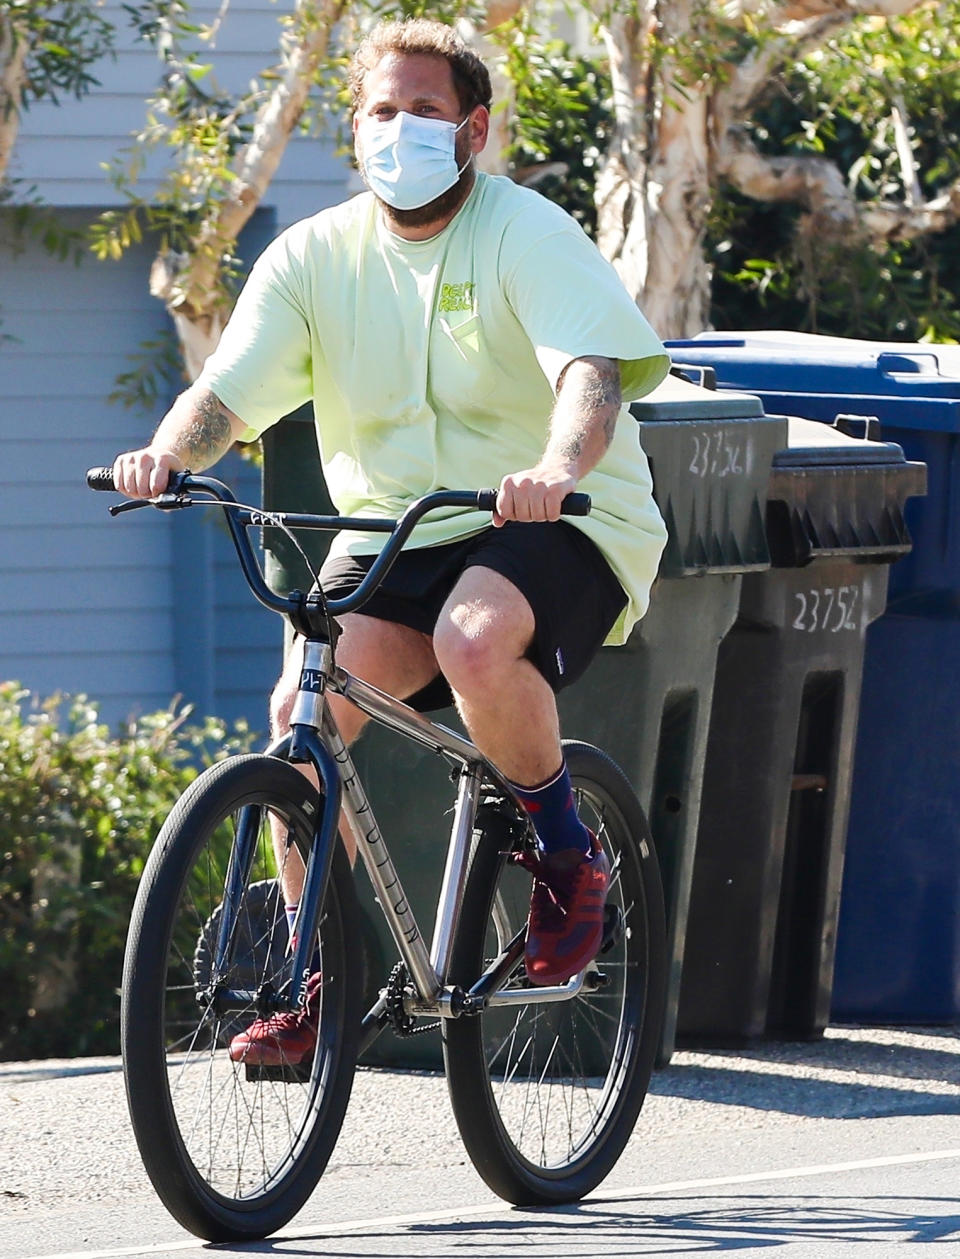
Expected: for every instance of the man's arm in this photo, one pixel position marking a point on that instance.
(196, 432)
(581, 429)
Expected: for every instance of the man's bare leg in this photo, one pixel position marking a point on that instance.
(393, 658)
(481, 640)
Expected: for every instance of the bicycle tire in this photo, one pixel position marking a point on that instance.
(233, 1152)
(546, 1096)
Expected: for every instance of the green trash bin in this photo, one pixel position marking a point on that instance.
(646, 703)
(776, 789)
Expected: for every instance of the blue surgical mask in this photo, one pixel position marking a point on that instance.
(409, 161)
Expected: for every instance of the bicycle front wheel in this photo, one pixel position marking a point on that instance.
(547, 1095)
(233, 1151)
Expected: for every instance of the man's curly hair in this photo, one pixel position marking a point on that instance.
(421, 35)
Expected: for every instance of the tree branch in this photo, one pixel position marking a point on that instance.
(280, 113)
(808, 11)
(887, 221)
(813, 182)
(800, 26)
(908, 167)
(13, 77)
(819, 186)
(188, 283)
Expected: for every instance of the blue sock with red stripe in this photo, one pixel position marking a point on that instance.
(553, 813)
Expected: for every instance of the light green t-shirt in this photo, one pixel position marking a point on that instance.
(433, 364)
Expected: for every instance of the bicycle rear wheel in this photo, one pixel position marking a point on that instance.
(546, 1095)
(232, 1151)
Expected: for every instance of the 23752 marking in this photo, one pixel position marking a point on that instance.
(833, 609)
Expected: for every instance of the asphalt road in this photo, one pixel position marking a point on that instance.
(849, 1146)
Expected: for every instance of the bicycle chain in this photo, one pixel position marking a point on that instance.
(403, 1024)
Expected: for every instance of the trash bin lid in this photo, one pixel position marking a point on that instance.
(777, 339)
(811, 444)
(833, 495)
(788, 363)
(677, 399)
(710, 455)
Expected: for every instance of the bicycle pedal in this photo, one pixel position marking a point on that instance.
(613, 925)
(289, 1072)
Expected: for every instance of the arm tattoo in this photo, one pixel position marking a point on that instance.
(208, 434)
(592, 398)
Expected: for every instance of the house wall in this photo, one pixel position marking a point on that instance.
(60, 148)
(135, 610)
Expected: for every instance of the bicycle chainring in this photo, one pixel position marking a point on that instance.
(400, 1020)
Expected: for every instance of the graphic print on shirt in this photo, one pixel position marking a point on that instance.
(460, 362)
(458, 296)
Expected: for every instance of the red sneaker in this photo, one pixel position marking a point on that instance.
(283, 1039)
(565, 926)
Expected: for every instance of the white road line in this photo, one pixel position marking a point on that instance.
(457, 1213)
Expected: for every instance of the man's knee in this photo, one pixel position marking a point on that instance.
(486, 626)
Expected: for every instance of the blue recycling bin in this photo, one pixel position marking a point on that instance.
(898, 934)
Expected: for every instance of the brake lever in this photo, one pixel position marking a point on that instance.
(128, 504)
(163, 502)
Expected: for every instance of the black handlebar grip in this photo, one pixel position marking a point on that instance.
(573, 505)
(101, 479)
(576, 505)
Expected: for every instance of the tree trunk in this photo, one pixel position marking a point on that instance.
(13, 58)
(493, 159)
(653, 192)
(679, 119)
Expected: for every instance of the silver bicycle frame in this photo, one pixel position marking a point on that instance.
(428, 970)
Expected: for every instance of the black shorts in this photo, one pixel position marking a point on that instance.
(571, 588)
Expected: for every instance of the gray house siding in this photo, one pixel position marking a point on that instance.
(130, 611)
(60, 148)
(136, 610)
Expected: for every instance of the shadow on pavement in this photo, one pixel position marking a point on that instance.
(812, 1098)
(630, 1228)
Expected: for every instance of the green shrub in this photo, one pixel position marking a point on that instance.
(79, 811)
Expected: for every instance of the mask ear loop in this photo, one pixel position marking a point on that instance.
(461, 126)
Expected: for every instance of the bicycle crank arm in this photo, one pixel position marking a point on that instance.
(373, 1023)
(542, 996)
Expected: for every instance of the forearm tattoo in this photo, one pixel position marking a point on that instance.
(208, 433)
(588, 403)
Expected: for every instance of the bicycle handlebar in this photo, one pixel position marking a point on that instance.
(239, 518)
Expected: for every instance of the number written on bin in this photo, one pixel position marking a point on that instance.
(833, 609)
(716, 455)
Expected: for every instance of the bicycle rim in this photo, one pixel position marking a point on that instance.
(233, 1151)
(546, 1095)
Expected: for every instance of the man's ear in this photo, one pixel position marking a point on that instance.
(479, 128)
